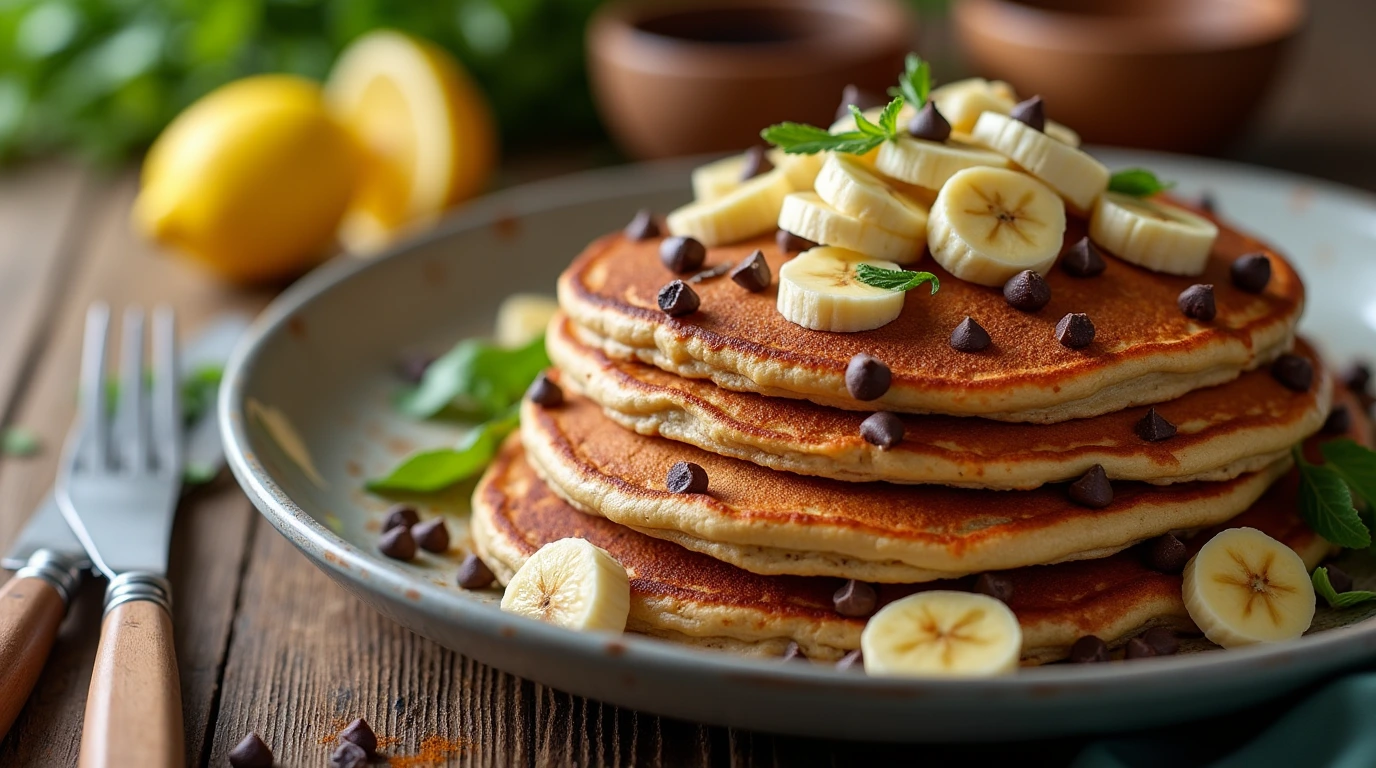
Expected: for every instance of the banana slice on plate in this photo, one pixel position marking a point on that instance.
(749, 210)
(805, 214)
(942, 633)
(963, 101)
(818, 289)
(721, 177)
(931, 164)
(523, 317)
(989, 224)
(846, 184)
(1160, 237)
(1074, 175)
(1244, 587)
(571, 583)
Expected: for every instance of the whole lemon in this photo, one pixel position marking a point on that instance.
(251, 180)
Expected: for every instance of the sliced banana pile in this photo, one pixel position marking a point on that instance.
(989, 224)
(571, 583)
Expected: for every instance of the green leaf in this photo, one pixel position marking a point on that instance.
(915, 82)
(801, 139)
(895, 279)
(1326, 505)
(17, 442)
(888, 119)
(1357, 465)
(434, 470)
(1324, 588)
(476, 377)
(864, 126)
(1137, 182)
(199, 391)
(199, 474)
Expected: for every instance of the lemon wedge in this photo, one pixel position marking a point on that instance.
(428, 130)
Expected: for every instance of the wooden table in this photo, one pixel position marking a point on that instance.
(268, 644)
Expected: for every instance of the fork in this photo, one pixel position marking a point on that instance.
(118, 487)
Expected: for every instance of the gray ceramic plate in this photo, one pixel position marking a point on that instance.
(306, 417)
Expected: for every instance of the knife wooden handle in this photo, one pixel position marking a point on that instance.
(134, 708)
(31, 610)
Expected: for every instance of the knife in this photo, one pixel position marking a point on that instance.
(49, 561)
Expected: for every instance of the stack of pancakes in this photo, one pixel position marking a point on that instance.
(976, 495)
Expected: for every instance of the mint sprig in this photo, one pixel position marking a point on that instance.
(434, 470)
(1324, 588)
(895, 279)
(1326, 500)
(1137, 182)
(916, 81)
(476, 377)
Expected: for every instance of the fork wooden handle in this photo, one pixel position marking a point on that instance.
(31, 610)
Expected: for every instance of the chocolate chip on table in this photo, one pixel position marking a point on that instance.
(1357, 379)
(361, 734)
(1339, 420)
(1137, 648)
(432, 535)
(1162, 641)
(1251, 272)
(1027, 291)
(867, 377)
(852, 660)
(793, 652)
(753, 274)
(1093, 489)
(1197, 303)
(398, 544)
(1294, 372)
(678, 299)
(1083, 260)
(883, 429)
(855, 599)
(544, 392)
(995, 585)
(686, 477)
(929, 124)
(1166, 554)
(400, 516)
(1153, 427)
(643, 226)
(348, 755)
(756, 163)
(970, 336)
(1032, 112)
(250, 753)
(682, 254)
(1088, 649)
(791, 243)
(474, 573)
(1207, 202)
(1075, 331)
(1339, 579)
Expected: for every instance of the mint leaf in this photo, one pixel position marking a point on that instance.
(894, 279)
(476, 377)
(888, 119)
(1137, 182)
(802, 139)
(1326, 506)
(17, 442)
(199, 390)
(434, 470)
(863, 124)
(1324, 588)
(915, 82)
(1357, 465)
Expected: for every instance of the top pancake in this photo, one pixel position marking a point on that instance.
(1145, 350)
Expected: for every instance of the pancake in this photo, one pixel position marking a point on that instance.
(772, 522)
(1225, 431)
(695, 599)
(1145, 350)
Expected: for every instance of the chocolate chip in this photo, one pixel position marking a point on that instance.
(970, 336)
(855, 599)
(1138, 648)
(756, 163)
(1084, 260)
(1252, 272)
(995, 585)
(1093, 489)
(412, 367)
(678, 299)
(398, 544)
(1339, 421)
(929, 124)
(686, 477)
(432, 535)
(852, 660)
(1075, 330)
(1339, 579)
(400, 515)
(682, 254)
(1153, 427)
(1027, 291)
(1166, 554)
(867, 378)
(791, 243)
(474, 573)
(1294, 372)
(862, 100)
(753, 274)
(360, 733)
(544, 392)
(793, 653)
(348, 755)
(883, 429)
(1207, 202)
(250, 753)
(1162, 640)
(1358, 378)
(643, 226)
(1088, 649)
(1197, 303)
(1032, 112)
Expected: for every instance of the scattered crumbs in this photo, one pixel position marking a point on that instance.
(17, 442)
(434, 752)
(353, 469)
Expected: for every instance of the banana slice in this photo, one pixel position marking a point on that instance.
(847, 185)
(806, 215)
(721, 177)
(1074, 175)
(1244, 587)
(818, 289)
(931, 164)
(942, 633)
(989, 224)
(963, 101)
(1161, 238)
(749, 210)
(523, 317)
(573, 584)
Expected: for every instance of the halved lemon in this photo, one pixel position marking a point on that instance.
(428, 130)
